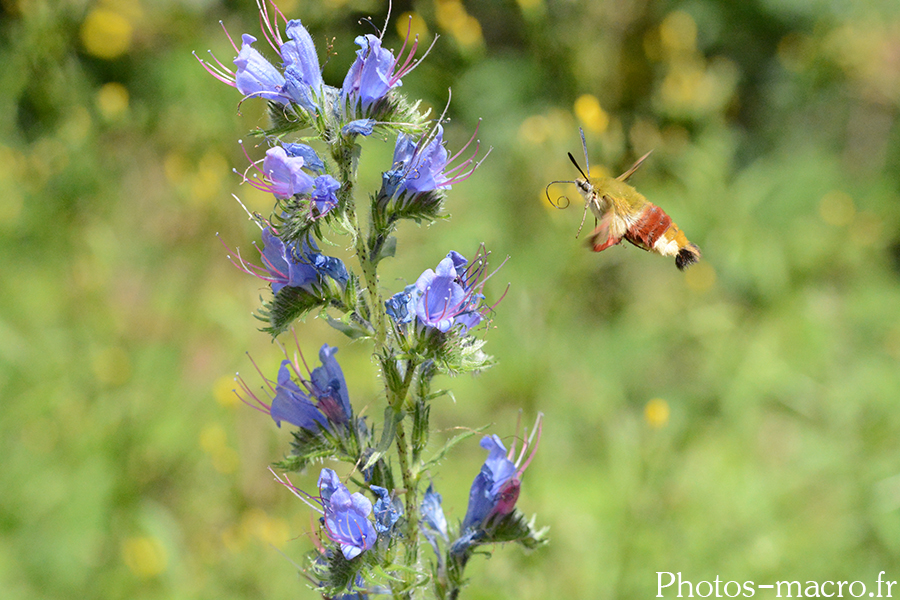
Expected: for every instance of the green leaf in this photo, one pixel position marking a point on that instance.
(391, 418)
(348, 327)
(442, 453)
(387, 249)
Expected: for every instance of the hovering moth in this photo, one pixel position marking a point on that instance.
(623, 213)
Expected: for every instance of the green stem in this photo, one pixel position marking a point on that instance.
(345, 156)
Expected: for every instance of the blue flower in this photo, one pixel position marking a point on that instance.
(292, 267)
(346, 516)
(495, 489)
(423, 166)
(387, 510)
(374, 73)
(402, 305)
(256, 76)
(301, 66)
(360, 126)
(330, 388)
(319, 402)
(323, 196)
(420, 164)
(446, 297)
(283, 174)
(285, 265)
(311, 160)
(291, 404)
(370, 76)
(443, 300)
(433, 519)
(496, 474)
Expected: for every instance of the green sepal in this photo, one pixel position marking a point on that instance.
(308, 446)
(286, 119)
(515, 527)
(338, 573)
(289, 304)
(453, 352)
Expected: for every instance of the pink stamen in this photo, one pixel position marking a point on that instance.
(286, 482)
(269, 26)
(228, 35)
(538, 426)
(295, 365)
(260, 405)
(223, 74)
(463, 149)
(248, 268)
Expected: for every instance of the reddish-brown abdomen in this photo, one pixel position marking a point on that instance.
(650, 225)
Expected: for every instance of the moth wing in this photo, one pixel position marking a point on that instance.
(624, 176)
(601, 238)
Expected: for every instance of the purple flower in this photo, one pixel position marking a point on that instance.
(311, 160)
(370, 76)
(422, 166)
(448, 296)
(255, 76)
(286, 265)
(375, 72)
(345, 515)
(291, 404)
(387, 510)
(301, 66)
(422, 162)
(496, 487)
(283, 174)
(443, 300)
(319, 401)
(323, 196)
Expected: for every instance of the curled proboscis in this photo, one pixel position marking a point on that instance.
(558, 203)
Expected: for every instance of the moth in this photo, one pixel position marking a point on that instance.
(624, 213)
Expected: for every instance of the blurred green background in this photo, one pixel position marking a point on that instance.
(739, 420)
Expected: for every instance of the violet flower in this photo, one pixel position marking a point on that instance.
(446, 297)
(282, 174)
(495, 489)
(324, 196)
(424, 166)
(255, 76)
(375, 72)
(345, 515)
(319, 401)
(286, 265)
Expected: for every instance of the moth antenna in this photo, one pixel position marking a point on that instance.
(587, 163)
(624, 176)
(583, 215)
(557, 204)
(575, 162)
